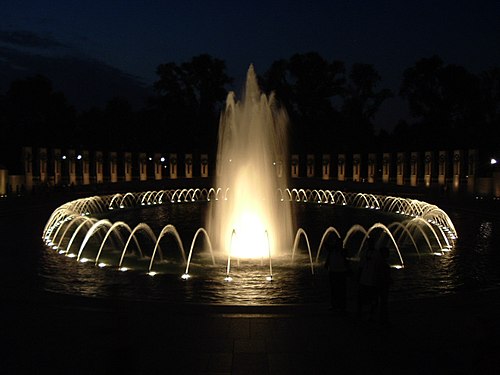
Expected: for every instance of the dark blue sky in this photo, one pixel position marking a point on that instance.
(136, 36)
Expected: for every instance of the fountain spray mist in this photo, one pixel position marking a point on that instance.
(252, 217)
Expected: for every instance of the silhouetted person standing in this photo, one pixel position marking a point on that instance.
(367, 280)
(384, 281)
(338, 271)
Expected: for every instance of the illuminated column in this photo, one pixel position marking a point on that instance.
(457, 170)
(28, 168)
(428, 166)
(356, 167)
(442, 166)
(341, 167)
(158, 159)
(386, 167)
(173, 165)
(85, 161)
(326, 167)
(414, 168)
(42, 165)
(113, 167)
(188, 165)
(294, 166)
(496, 184)
(372, 168)
(71, 159)
(400, 168)
(472, 171)
(127, 170)
(56, 164)
(204, 165)
(4, 177)
(278, 166)
(310, 165)
(99, 167)
(143, 169)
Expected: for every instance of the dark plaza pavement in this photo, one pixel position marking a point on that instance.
(457, 334)
(43, 333)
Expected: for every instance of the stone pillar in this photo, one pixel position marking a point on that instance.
(457, 170)
(372, 168)
(42, 165)
(99, 167)
(442, 167)
(204, 165)
(414, 168)
(278, 165)
(127, 170)
(158, 160)
(356, 168)
(310, 165)
(28, 168)
(496, 184)
(71, 159)
(85, 160)
(143, 167)
(56, 164)
(4, 178)
(113, 167)
(386, 167)
(188, 165)
(341, 167)
(295, 166)
(428, 167)
(173, 165)
(472, 171)
(400, 168)
(326, 167)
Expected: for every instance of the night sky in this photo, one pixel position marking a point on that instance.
(137, 36)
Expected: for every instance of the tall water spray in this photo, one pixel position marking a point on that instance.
(251, 219)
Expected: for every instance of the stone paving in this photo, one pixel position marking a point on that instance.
(49, 334)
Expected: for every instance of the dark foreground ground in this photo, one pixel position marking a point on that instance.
(42, 333)
(66, 335)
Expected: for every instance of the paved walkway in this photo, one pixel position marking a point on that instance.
(51, 334)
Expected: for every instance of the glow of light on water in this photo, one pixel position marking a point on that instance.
(250, 240)
(185, 276)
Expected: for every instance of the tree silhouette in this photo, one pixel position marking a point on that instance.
(361, 102)
(447, 103)
(189, 100)
(34, 114)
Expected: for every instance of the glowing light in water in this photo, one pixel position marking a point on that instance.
(251, 239)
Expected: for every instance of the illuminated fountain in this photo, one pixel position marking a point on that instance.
(248, 213)
(251, 221)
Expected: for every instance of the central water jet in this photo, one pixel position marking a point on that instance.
(250, 219)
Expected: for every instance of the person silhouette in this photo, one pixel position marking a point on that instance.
(338, 270)
(384, 282)
(367, 280)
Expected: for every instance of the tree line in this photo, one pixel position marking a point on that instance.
(331, 108)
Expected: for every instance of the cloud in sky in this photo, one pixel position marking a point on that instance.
(25, 38)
